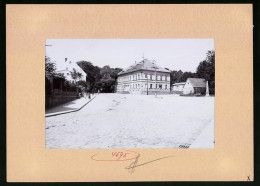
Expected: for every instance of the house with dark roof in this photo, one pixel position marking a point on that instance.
(194, 86)
(144, 77)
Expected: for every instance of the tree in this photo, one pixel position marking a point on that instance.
(105, 72)
(108, 85)
(114, 72)
(206, 70)
(50, 66)
(75, 75)
(93, 73)
(175, 76)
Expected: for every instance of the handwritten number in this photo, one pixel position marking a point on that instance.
(119, 154)
(248, 178)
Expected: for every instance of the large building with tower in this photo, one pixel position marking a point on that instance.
(144, 77)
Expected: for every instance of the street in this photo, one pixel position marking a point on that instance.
(134, 121)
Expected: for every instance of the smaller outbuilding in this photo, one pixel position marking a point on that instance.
(177, 88)
(195, 86)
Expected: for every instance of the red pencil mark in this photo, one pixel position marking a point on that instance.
(116, 156)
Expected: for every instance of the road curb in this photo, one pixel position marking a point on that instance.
(67, 112)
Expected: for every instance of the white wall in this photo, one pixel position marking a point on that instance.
(188, 88)
(177, 87)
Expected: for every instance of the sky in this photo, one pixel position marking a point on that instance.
(174, 54)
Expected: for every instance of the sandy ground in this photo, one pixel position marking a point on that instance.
(135, 121)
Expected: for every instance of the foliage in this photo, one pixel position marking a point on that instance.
(93, 73)
(75, 74)
(50, 66)
(206, 70)
(107, 85)
(99, 78)
(83, 84)
(175, 76)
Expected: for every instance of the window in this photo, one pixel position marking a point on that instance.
(165, 86)
(160, 86)
(156, 78)
(145, 75)
(151, 85)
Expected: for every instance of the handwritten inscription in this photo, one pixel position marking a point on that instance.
(125, 155)
(119, 154)
(115, 156)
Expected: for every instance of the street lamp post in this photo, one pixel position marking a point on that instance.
(155, 83)
(147, 83)
(154, 62)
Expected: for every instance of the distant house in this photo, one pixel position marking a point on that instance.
(177, 88)
(67, 67)
(195, 86)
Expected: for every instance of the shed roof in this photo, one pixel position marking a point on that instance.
(180, 83)
(197, 82)
(143, 65)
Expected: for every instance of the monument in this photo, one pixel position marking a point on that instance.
(207, 89)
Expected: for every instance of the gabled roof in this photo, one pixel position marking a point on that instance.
(180, 83)
(143, 65)
(68, 66)
(197, 82)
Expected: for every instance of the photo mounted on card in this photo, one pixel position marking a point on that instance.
(129, 93)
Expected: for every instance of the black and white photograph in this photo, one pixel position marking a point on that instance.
(129, 93)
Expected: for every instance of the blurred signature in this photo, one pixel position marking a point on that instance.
(133, 165)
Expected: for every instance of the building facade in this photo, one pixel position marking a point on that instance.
(195, 86)
(66, 69)
(144, 77)
(177, 88)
